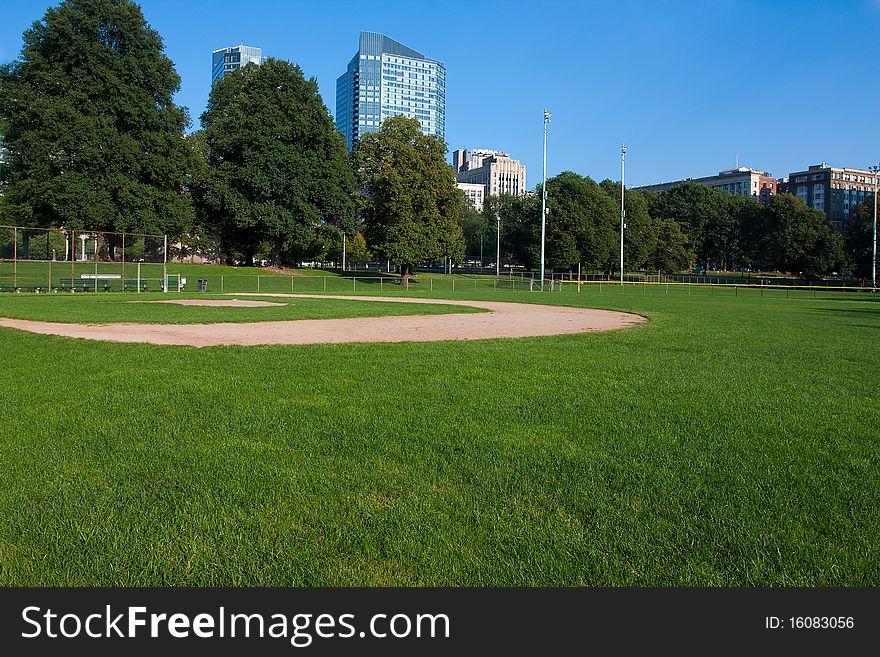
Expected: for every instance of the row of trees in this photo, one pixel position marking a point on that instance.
(669, 231)
(95, 141)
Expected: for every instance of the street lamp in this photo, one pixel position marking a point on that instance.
(544, 197)
(622, 209)
(876, 169)
(498, 252)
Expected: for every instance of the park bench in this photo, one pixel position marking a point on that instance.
(85, 285)
(133, 285)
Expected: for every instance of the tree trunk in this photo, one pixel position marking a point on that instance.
(405, 274)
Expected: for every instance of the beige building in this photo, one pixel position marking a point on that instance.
(741, 180)
(476, 193)
(494, 170)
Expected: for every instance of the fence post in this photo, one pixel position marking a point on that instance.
(325, 284)
(380, 284)
(291, 283)
(354, 282)
(453, 285)
(221, 284)
(258, 282)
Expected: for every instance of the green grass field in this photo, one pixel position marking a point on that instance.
(732, 440)
(114, 307)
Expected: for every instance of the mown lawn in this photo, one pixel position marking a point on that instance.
(732, 440)
(99, 308)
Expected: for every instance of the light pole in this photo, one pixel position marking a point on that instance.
(876, 170)
(498, 252)
(622, 208)
(544, 197)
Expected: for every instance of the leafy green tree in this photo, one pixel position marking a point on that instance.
(520, 227)
(799, 240)
(278, 168)
(410, 204)
(562, 252)
(671, 251)
(357, 248)
(758, 240)
(474, 227)
(859, 239)
(580, 208)
(703, 214)
(93, 137)
(639, 238)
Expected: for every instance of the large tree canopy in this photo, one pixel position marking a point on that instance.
(709, 217)
(279, 175)
(582, 209)
(800, 240)
(93, 136)
(859, 239)
(410, 205)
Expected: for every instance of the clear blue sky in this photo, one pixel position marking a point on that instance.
(687, 85)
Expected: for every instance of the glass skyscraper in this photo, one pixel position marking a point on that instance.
(228, 59)
(386, 78)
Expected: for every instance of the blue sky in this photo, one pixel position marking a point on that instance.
(689, 86)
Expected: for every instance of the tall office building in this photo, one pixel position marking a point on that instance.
(493, 169)
(228, 59)
(386, 78)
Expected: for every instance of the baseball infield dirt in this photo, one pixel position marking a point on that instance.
(505, 320)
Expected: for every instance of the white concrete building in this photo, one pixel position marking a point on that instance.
(494, 170)
(476, 193)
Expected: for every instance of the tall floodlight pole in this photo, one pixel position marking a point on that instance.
(498, 252)
(622, 208)
(876, 170)
(544, 197)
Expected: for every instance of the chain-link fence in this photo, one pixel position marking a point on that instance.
(44, 259)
